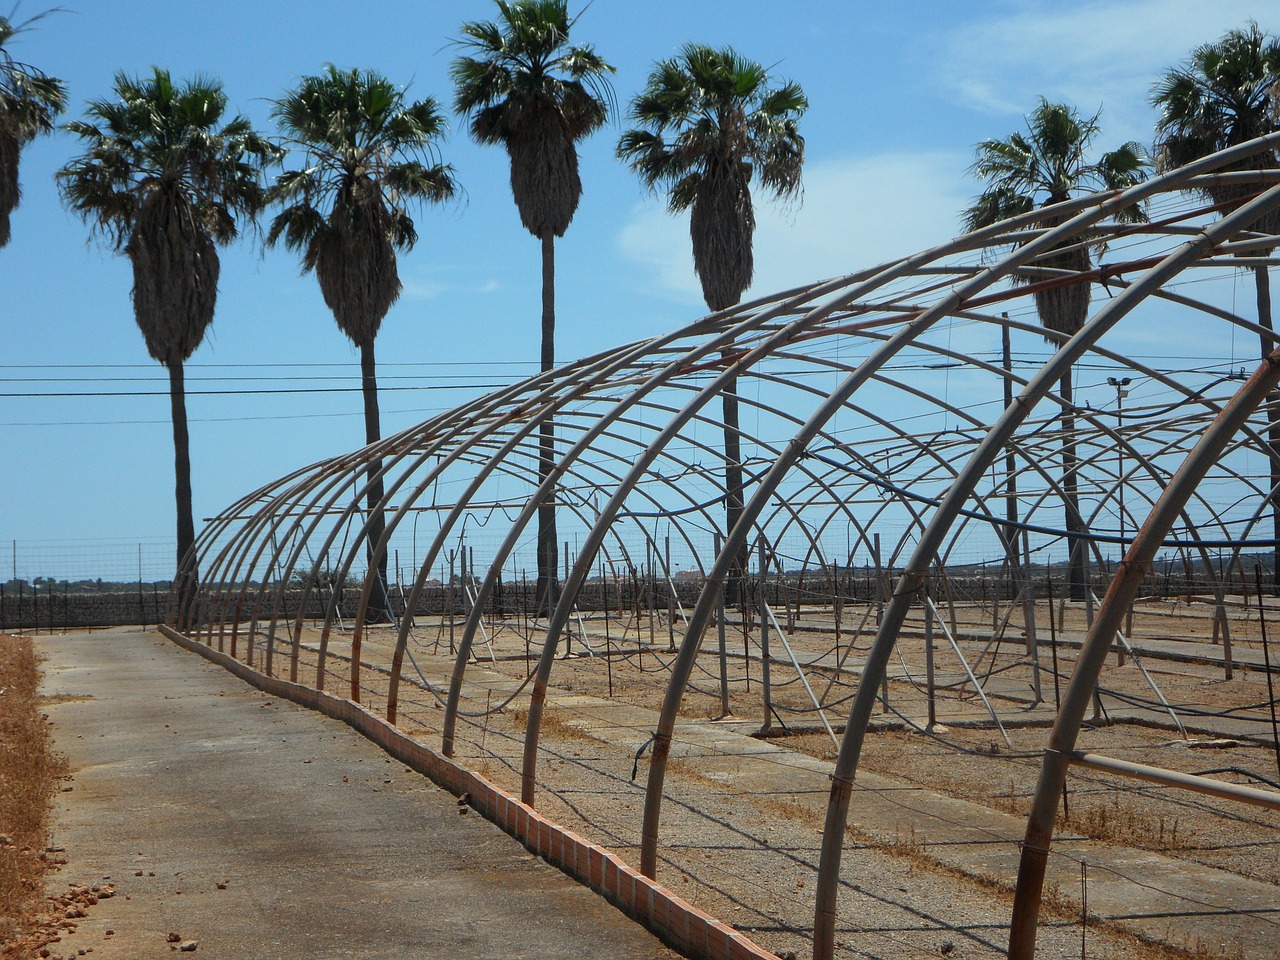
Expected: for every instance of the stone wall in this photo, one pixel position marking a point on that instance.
(41, 609)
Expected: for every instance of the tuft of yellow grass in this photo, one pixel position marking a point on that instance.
(29, 771)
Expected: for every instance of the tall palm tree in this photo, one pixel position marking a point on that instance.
(167, 183)
(1044, 166)
(30, 101)
(524, 87)
(366, 153)
(709, 126)
(1226, 93)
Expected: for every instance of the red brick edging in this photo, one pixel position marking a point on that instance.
(678, 923)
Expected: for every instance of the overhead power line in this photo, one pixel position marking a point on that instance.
(242, 393)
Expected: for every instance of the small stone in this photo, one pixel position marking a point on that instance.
(73, 912)
(109, 933)
(221, 884)
(189, 945)
(137, 873)
(173, 938)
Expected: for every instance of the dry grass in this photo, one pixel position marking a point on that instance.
(29, 770)
(1056, 904)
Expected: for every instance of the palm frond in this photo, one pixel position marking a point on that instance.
(1226, 93)
(996, 204)
(30, 101)
(368, 153)
(709, 124)
(1043, 166)
(167, 182)
(520, 84)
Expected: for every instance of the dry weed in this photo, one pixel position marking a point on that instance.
(29, 770)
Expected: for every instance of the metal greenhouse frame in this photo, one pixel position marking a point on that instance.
(887, 426)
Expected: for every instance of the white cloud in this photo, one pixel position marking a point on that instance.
(856, 213)
(418, 289)
(422, 286)
(659, 244)
(1092, 53)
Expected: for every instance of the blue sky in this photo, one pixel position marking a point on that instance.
(899, 95)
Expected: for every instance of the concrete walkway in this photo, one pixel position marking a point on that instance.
(263, 830)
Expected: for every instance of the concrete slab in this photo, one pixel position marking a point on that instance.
(185, 780)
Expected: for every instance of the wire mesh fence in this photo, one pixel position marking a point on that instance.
(93, 582)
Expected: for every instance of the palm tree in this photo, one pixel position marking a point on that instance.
(710, 125)
(30, 100)
(1226, 93)
(166, 184)
(525, 88)
(366, 153)
(1044, 166)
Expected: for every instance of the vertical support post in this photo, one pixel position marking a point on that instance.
(1266, 660)
(720, 635)
(551, 607)
(1010, 536)
(671, 598)
(764, 649)
(928, 657)
(449, 600)
(1029, 616)
(141, 608)
(648, 589)
(1088, 619)
(881, 588)
(608, 638)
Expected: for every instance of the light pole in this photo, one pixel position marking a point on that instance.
(1121, 393)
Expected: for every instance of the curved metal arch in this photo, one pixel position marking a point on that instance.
(963, 293)
(654, 380)
(909, 584)
(581, 568)
(1123, 589)
(894, 304)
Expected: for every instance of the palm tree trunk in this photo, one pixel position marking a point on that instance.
(185, 583)
(548, 585)
(1077, 575)
(1262, 286)
(733, 501)
(379, 607)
